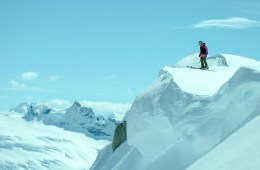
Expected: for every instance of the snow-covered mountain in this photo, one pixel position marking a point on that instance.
(76, 118)
(239, 152)
(192, 117)
(34, 146)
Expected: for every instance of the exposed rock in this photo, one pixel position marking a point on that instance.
(120, 135)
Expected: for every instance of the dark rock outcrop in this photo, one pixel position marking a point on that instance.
(120, 135)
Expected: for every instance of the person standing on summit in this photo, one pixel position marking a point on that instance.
(203, 55)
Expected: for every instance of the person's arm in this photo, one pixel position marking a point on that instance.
(206, 49)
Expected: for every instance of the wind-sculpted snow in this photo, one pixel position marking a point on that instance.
(242, 97)
(126, 157)
(171, 128)
(199, 130)
(239, 152)
(27, 147)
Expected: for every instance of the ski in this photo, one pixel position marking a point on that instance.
(199, 68)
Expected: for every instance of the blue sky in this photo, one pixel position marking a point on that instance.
(110, 50)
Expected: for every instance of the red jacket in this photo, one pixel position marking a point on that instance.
(203, 50)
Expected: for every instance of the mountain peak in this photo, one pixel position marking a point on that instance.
(207, 82)
(76, 104)
(186, 113)
(193, 60)
(218, 60)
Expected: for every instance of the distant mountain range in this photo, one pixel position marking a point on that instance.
(76, 118)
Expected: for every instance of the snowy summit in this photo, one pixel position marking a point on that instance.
(193, 119)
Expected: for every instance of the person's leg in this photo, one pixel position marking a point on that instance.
(205, 62)
(201, 61)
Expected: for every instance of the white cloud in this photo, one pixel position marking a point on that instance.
(53, 78)
(231, 23)
(177, 27)
(28, 97)
(23, 86)
(107, 107)
(16, 85)
(59, 104)
(29, 75)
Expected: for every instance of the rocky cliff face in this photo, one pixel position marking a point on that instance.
(120, 135)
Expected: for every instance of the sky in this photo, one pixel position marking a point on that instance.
(108, 51)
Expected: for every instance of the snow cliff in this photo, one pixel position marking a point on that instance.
(186, 113)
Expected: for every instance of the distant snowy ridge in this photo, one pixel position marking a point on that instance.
(76, 118)
(185, 113)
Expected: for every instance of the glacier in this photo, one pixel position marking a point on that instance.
(32, 145)
(186, 115)
(35, 136)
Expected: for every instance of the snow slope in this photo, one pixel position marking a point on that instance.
(185, 113)
(239, 152)
(31, 145)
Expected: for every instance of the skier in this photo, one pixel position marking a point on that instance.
(203, 55)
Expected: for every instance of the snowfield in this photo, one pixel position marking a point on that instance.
(34, 146)
(239, 152)
(193, 119)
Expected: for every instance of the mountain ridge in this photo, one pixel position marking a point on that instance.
(174, 122)
(76, 118)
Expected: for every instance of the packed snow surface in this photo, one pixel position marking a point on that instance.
(188, 115)
(195, 81)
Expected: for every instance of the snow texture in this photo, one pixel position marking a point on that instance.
(188, 115)
(239, 152)
(34, 146)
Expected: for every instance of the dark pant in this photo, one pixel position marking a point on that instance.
(203, 61)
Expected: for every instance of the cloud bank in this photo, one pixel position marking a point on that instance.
(229, 23)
